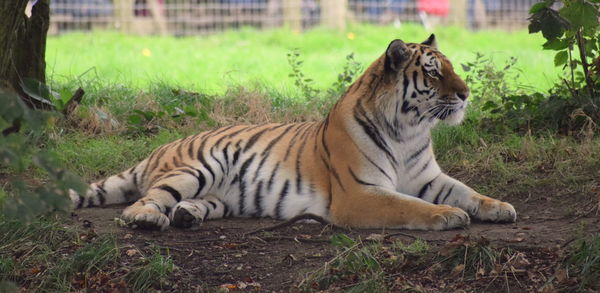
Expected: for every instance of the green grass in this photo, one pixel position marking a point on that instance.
(248, 57)
(46, 256)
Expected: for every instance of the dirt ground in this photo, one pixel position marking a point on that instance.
(219, 253)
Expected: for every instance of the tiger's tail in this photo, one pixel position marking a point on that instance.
(124, 187)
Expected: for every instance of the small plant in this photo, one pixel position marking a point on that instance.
(152, 272)
(45, 95)
(352, 69)
(18, 152)
(583, 261)
(487, 82)
(304, 83)
(363, 266)
(355, 263)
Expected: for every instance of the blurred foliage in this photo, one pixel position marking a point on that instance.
(19, 153)
(571, 28)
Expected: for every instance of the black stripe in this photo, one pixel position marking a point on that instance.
(266, 152)
(204, 163)
(81, 200)
(226, 154)
(417, 153)
(214, 205)
(212, 155)
(176, 195)
(435, 200)
(405, 83)
(425, 188)
(337, 178)
(258, 210)
(236, 156)
(225, 210)
(447, 194)
(422, 169)
(375, 136)
(270, 183)
(254, 139)
(242, 173)
(299, 162)
(360, 181)
(206, 213)
(376, 166)
(282, 195)
(323, 140)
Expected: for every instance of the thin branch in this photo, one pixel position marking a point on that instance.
(73, 102)
(292, 221)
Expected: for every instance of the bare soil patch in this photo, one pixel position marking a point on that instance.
(219, 252)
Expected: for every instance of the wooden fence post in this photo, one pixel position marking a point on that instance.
(292, 14)
(333, 14)
(458, 13)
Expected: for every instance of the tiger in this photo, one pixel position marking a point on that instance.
(368, 164)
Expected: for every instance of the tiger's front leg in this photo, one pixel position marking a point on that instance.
(378, 207)
(444, 189)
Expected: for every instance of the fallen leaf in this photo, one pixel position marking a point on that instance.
(457, 270)
(131, 252)
(561, 275)
(375, 237)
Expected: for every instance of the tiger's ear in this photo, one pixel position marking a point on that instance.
(431, 42)
(396, 54)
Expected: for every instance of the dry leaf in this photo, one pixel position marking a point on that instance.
(131, 252)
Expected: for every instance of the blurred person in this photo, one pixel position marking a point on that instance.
(431, 12)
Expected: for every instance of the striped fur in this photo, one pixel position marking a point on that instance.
(369, 163)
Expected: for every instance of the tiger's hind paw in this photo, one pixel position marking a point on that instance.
(186, 215)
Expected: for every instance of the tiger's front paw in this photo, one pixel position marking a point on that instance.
(447, 217)
(494, 210)
(145, 216)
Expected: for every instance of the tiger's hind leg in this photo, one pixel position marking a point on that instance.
(150, 212)
(191, 212)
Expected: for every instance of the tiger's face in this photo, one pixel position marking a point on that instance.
(426, 83)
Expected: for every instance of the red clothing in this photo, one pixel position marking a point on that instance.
(437, 7)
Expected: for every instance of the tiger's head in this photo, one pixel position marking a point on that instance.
(426, 86)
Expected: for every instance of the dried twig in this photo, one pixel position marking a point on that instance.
(73, 102)
(293, 221)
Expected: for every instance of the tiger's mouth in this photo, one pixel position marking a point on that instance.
(451, 112)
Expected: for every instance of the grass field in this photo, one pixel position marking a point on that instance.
(258, 58)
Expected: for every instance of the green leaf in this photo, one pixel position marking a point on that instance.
(135, 119)
(580, 14)
(549, 22)
(561, 58)
(37, 90)
(556, 44)
(342, 240)
(540, 5)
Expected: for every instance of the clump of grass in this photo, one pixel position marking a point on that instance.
(363, 266)
(466, 257)
(151, 271)
(46, 256)
(583, 261)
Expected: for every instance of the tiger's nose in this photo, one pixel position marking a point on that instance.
(463, 96)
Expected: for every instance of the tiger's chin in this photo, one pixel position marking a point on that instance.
(455, 118)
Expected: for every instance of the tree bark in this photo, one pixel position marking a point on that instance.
(23, 45)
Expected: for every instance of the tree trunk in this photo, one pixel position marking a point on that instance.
(23, 45)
